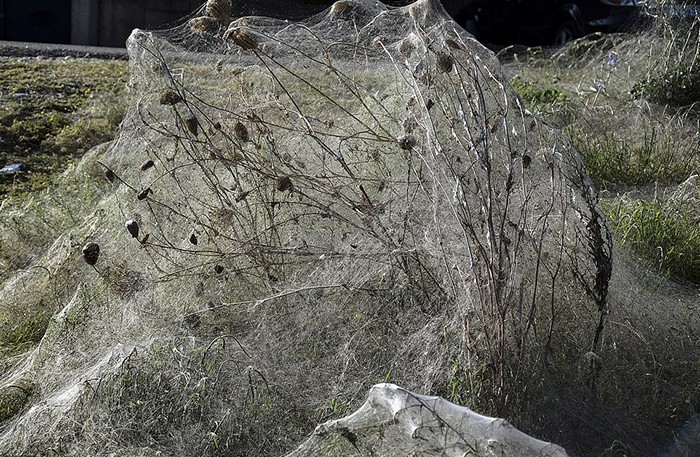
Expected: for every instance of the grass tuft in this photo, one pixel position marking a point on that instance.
(14, 397)
(26, 331)
(613, 161)
(665, 232)
(678, 86)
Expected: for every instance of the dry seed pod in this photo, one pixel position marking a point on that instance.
(193, 239)
(201, 24)
(192, 125)
(242, 196)
(242, 37)
(527, 160)
(340, 7)
(218, 269)
(145, 238)
(146, 165)
(219, 9)
(170, 98)
(241, 132)
(444, 62)
(91, 252)
(133, 227)
(407, 142)
(284, 183)
(144, 193)
(192, 320)
(406, 48)
(109, 174)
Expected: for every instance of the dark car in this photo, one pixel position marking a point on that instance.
(536, 22)
(681, 11)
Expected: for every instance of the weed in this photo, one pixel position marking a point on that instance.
(673, 78)
(678, 86)
(628, 108)
(204, 400)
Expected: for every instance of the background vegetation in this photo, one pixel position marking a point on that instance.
(629, 105)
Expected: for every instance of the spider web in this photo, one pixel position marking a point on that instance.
(320, 204)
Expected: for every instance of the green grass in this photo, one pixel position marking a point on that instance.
(53, 111)
(662, 231)
(26, 331)
(613, 161)
(627, 106)
(673, 76)
(207, 398)
(14, 397)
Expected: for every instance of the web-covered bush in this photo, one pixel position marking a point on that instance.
(353, 198)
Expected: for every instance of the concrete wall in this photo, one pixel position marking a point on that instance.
(110, 22)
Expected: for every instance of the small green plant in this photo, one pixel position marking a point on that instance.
(539, 96)
(664, 232)
(339, 407)
(616, 449)
(673, 77)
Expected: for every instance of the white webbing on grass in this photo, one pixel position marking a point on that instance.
(356, 197)
(396, 422)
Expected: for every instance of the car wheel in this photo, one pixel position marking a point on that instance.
(565, 33)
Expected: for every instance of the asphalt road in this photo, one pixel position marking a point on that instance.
(22, 49)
